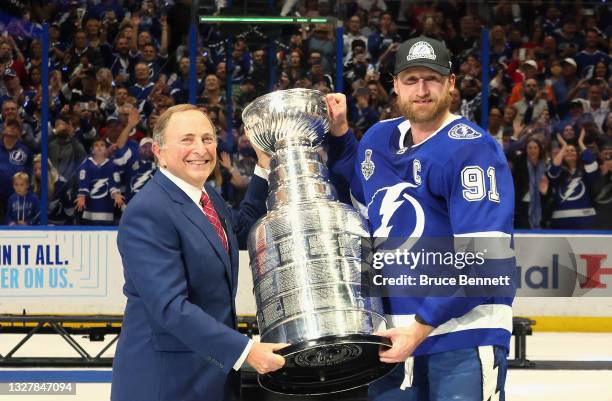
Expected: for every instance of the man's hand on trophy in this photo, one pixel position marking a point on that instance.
(336, 106)
(263, 359)
(404, 341)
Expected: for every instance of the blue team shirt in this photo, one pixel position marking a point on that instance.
(455, 183)
(97, 183)
(125, 158)
(572, 191)
(18, 159)
(138, 174)
(23, 208)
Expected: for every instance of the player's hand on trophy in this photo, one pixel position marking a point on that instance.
(336, 106)
(404, 341)
(262, 358)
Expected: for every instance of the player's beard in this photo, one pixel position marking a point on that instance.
(422, 115)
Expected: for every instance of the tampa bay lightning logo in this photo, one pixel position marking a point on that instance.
(463, 131)
(18, 157)
(574, 190)
(139, 180)
(99, 189)
(393, 212)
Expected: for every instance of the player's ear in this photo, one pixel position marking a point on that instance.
(451, 81)
(395, 83)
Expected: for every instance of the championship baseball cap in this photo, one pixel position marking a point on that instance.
(423, 52)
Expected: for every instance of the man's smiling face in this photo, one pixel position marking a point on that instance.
(190, 148)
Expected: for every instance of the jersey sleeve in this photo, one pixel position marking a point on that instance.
(342, 164)
(115, 179)
(84, 180)
(479, 190)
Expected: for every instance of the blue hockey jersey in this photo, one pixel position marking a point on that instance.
(124, 158)
(572, 191)
(98, 183)
(23, 208)
(138, 174)
(456, 183)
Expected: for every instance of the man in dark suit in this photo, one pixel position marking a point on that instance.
(179, 246)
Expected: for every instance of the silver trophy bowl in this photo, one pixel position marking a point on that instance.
(305, 257)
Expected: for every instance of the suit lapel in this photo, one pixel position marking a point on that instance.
(197, 217)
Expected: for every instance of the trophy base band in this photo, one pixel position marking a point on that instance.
(328, 364)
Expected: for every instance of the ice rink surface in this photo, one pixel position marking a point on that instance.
(521, 385)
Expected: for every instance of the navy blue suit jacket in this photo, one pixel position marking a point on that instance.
(177, 340)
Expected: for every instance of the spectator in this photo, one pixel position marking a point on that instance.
(565, 86)
(590, 55)
(65, 151)
(23, 207)
(530, 185)
(10, 111)
(381, 40)
(81, 50)
(603, 200)
(322, 42)
(123, 62)
(568, 40)
(456, 101)
(295, 68)
(60, 210)
(13, 89)
(259, 71)
(466, 40)
(529, 69)
(240, 168)
(213, 94)
(98, 192)
(104, 91)
(142, 170)
(532, 105)
(152, 61)
(594, 105)
(471, 98)
(500, 50)
(378, 96)
(97, 42)
(361, 115)
(11, 57)
(315, 74)
(353, 32)
(573, 179)
(496, 129)
(143, 86)
(15, 157)
(552, 21)
(124, 137)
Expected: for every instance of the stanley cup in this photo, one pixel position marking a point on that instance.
(305, 256)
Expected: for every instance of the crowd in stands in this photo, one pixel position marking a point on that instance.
(116, 65)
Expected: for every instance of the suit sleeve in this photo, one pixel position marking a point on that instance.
(149, 243)
(478, 188)
(252, 207)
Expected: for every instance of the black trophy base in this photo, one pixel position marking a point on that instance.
(328, 365)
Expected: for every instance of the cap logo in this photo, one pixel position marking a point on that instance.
(421, 50)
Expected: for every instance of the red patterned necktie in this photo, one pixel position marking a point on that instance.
(212, 216)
